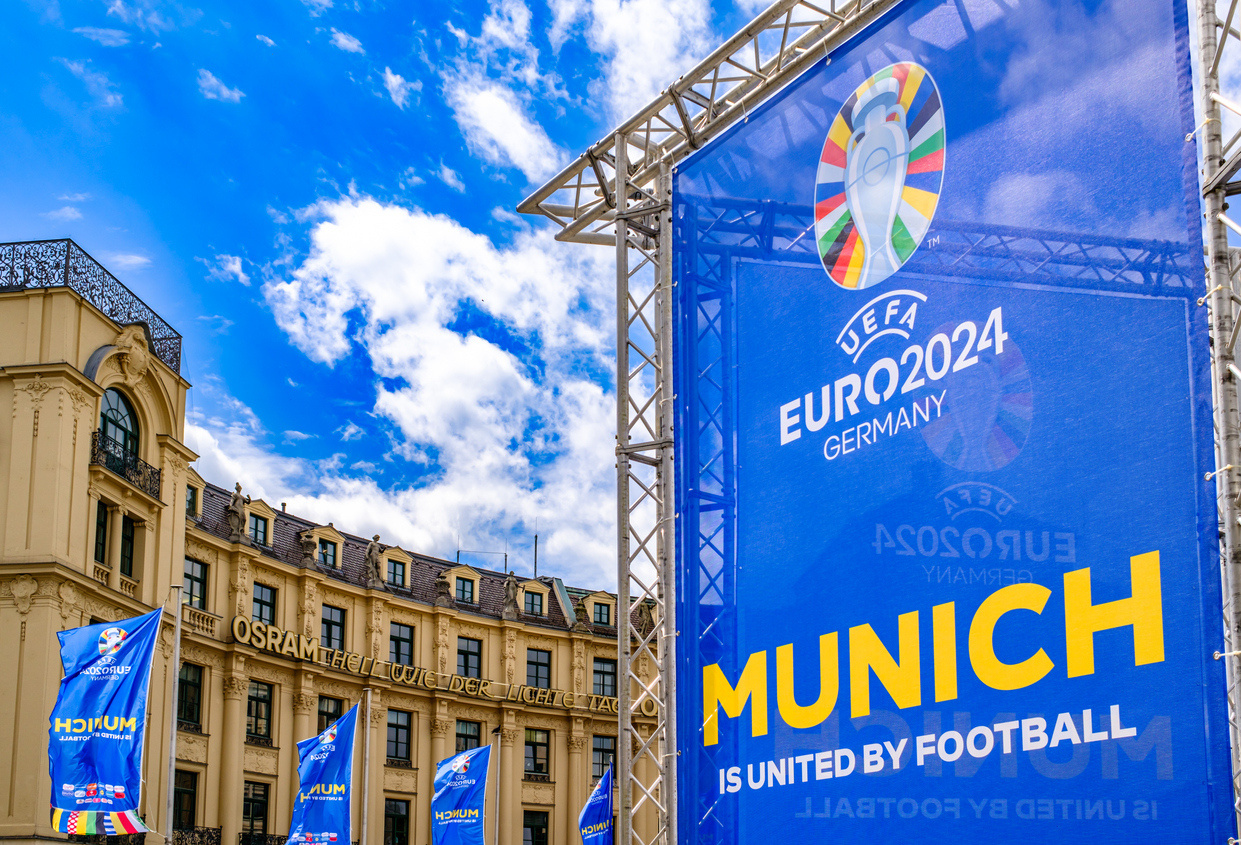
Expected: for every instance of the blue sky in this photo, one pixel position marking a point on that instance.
(319, 195)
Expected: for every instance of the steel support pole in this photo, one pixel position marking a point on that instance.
(664, 483)
(172, 713)
(625, 727)
(1222, 317)
(366, 767)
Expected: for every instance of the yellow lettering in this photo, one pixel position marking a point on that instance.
(274, 635)
(794, 714)
(130, 724)
(258, 634)
(944, 641)
(308, 647)
(1143, 610)
(63, 725)
(241, 629)
(901, 680)
(717, 692)
(80, 726)
(471, 686)
(337, 660)
(989, 669)
(289, 646)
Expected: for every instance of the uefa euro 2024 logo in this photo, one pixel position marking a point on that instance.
(879, 176)
(460, 765)
(328, 735)
(110, 641)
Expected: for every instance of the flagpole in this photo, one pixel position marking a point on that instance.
(366, 767)
(499, 773)
(172, 733)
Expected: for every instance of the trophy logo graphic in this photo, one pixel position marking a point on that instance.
(879, 176)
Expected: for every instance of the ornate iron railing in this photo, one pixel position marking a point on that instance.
(111, 454)
(261, 839)
(398, 763)
(62, 263)
(537, 777)
(261, 741)
(197, 836)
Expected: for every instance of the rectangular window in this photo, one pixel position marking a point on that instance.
(101, 534)
(254, 808)
(396, 572)
(258, 529)
(333, 633)
(469, 657)
(536, 754)
(330, 709)
(602, 752)
(127, 547)
(327, 553)
(603, 613)
(195, 591)
(534, 827)
(538, 668)
(190, 697)
(264, 604)
(398, 737)
(469, 735)
(401, 644)
(191, 502)
(605, 677)
(534, 604)
(258, 714)
(465, 590)
(396, 822)
(184, 799)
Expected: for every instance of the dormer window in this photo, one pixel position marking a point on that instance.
(603, 613)
(534, 604)
(258, 529)
(396, 572)
(191, 502)
(465, 590)
(327, 553)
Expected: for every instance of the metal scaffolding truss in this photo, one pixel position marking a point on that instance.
(1219, 45)
(618, 193)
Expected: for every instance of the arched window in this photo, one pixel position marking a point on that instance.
(119, 422)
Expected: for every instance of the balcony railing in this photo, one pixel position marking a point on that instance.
(261, 741)
(51, 264)
(111, 454)
(538, 777)
(197, 836)
(398, 763)
(262, 839)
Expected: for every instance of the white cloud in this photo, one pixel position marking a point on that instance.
(226, 268)
(497, 127)
(450, 178)
(645, 44)
(106, 37)
(63, 214)
(410, 179)
(266, 40)
(97, 84)
(317, 7)
(350, 431)
(399, 88)
(126, 260)
(346, 42)
(292, 436)
(80, 197)
(215, 323)
(509, 431)
(213, 89)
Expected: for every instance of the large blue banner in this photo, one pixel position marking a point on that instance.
(325, 791)
(98, 726)
(460, 797)
(948, 555)
(595, 820)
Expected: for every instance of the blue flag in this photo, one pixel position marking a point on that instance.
(325, 772)
(595, 821)
(459, 799)
(98, 725)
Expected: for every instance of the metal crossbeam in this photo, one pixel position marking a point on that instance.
(749, 67)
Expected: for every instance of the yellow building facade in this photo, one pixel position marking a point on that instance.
(286, 623)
